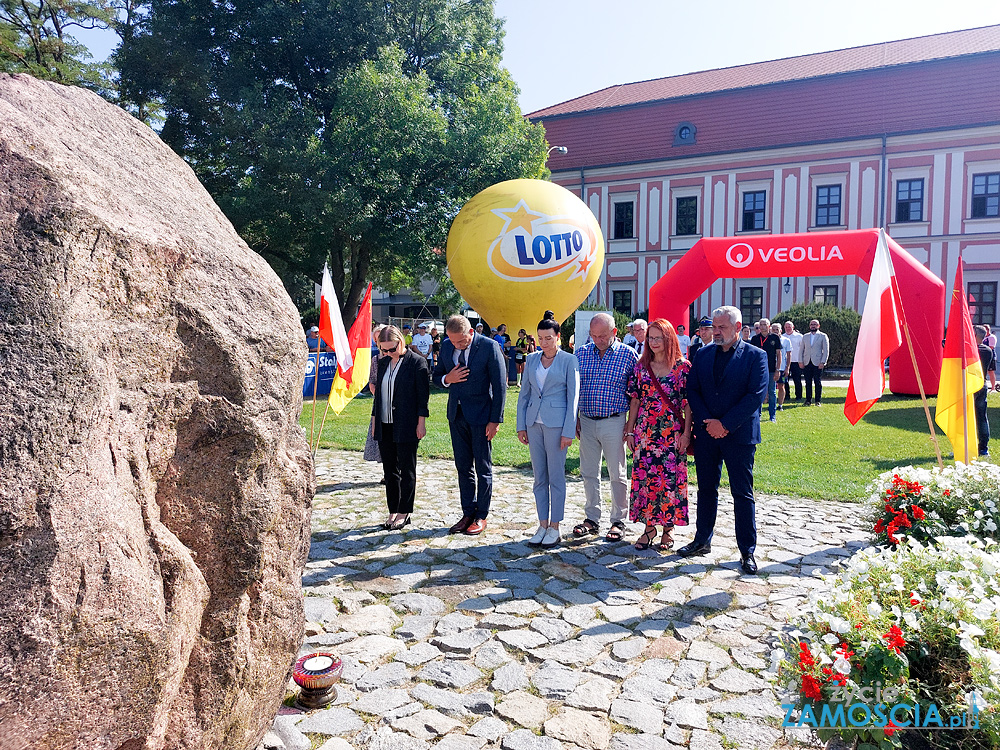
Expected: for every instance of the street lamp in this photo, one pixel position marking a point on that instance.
(788, 285)
(561, 150)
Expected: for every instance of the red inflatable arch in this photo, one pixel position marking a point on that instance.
(814, 254)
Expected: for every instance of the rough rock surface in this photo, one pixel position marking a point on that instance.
(154, 482)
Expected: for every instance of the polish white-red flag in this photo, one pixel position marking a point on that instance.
(880, 336)
(331, 323)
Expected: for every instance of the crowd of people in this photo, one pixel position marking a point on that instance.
(661, 396)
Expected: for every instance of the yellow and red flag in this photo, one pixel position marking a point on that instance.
(348, 383)
(961, 376)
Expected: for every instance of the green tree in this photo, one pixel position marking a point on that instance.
(344, 130)
(36, 37)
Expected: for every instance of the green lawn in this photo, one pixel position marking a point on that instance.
(810, 452)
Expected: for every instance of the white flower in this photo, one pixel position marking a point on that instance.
(842, 665)
(874, 610)
(910, 618)
(831, 639)
(970, 630)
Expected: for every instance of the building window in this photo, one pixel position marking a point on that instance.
(687, 216)
(622, 301)
(910, 200)
(752, 303)
(826, 295)
(624, 215)
(985, 195)
(753, 210)
(828, 205)
(685, 133)
(983, 302)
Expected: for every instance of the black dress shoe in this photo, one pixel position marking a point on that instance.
(748, 565)
(693, 549)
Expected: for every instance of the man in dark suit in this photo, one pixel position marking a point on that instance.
(725, 387)
(473, 370)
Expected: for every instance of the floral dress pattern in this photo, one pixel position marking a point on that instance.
(659, 474)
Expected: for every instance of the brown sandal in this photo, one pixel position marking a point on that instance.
(584, 529)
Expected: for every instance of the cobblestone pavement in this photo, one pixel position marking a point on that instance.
(468, 643)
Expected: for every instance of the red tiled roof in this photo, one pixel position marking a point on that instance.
(885, 54)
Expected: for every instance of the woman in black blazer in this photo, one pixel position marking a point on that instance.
(402, 389)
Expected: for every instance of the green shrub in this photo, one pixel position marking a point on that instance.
(841, 324)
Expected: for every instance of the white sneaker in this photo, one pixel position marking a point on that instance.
(551, 537)
(538, 537)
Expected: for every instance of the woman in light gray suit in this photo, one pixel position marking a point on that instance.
(546, 423)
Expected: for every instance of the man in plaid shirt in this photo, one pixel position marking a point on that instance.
(605, 364)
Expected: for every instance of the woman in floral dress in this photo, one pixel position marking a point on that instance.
(658, 432)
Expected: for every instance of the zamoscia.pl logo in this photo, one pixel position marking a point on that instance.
(880, 715)
(533, 245)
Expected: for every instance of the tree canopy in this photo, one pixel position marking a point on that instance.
(344, 130)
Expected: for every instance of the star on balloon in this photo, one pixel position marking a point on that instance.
(520, 216)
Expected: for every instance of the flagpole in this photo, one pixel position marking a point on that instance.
(965, 386)
(321, 425)
(916, 370)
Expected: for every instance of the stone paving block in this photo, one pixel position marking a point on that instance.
(593, 694)
(450, 674)
(637, 715)
(476, 604)
(648, 691)
(605, 632)
(752, 705)
(579, 615)
(372, 648)
(577, 652)
(455, 622)
(553, 680)
(630, 648)
(460, 742)
(291, 737)
(495, 621)
(319, 609)
(737, 681)
(426, 724)
(576, 597)
(523, 640)
(385, 739)
(490, 729)
(748, 734)
(464, 642)
(516, 607)
(702, 651)
(626, 741)
(416, 627)
(616, 669)
(334, 743)
(390, 675)
(579, 728)
(509, 678)
(419, 653)
(687, 714)
(689, 673)
(525, 739)
(491, 655)
(338, 721)
(626, 614)
(554, 629)
(702, 740)
(525, 709)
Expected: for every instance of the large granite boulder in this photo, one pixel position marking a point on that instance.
(154, 482)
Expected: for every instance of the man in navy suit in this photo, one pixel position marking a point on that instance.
(725, 388)
(472, 368)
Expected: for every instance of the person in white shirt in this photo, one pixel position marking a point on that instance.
(629, 339)
(794, 371)
(684, 340)
(422, 342)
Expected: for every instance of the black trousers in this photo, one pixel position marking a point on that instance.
(813, 375)
(982, 423)
(474, 462)
(795, 372)
(709, 455)
(399, 461)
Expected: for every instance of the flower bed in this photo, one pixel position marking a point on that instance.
(925, 504)
(920, 621)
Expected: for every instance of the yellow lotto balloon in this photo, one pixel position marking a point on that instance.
(522, 247)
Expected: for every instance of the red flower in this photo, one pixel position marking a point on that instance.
(946, 493)
(805, 657)
(890, 729)
(902, 521)
(918, 513)
(879, 526)
(894, 639)
(811, 687)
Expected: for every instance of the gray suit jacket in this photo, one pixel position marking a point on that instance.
(557, 402)
(818, 353)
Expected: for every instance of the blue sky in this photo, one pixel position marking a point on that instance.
(560, 49)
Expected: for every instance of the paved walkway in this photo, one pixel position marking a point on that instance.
(481, 642)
